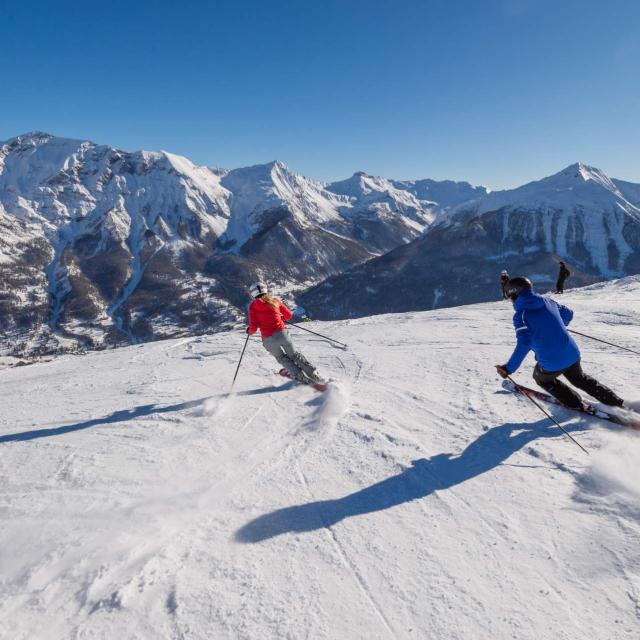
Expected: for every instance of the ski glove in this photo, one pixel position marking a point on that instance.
(502, 370)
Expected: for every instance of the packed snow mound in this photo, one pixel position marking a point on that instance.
(614, 472)
(414, 498)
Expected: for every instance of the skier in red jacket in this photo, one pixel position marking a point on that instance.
(268, 313)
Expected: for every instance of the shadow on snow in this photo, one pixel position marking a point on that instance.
(117, 416)
(125, 415)
(422, 478)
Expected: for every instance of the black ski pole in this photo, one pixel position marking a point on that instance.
(239, 362)
(342, 344)
(546, 413)
(611, 344)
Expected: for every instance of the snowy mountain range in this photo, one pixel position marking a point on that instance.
(99, 246)
(578, 215)
(102, 247)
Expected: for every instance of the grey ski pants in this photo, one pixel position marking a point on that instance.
(281, 348)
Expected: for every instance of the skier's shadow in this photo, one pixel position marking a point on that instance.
(425, 476)
(123, 415)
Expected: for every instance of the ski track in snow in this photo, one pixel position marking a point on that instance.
(414, 498)
(351, 566)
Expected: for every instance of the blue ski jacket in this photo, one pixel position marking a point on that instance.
(541, 327)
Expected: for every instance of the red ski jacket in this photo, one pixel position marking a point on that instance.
(264, 317)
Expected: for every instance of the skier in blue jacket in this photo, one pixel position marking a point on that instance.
(541, 327)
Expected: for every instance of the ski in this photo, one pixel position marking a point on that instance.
(629, 420)
(318, 386)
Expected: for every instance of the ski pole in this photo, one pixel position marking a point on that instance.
(611, 344)
(546, 413)
(342, 344)
(239, 361)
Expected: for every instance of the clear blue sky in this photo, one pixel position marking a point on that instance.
(497, 92)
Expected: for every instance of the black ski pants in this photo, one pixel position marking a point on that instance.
(548, 380)
(560, 284)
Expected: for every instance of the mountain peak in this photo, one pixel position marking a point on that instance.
(360, 184)
(36, 134)
(578, 186)
(30, 136)
(582, 172)
(276, 165)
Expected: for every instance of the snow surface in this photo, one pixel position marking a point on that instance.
(414, 499)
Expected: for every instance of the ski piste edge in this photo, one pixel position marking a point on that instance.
(318, 386)
(632, 421)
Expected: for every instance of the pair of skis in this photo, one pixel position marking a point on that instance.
(623, 417)
(318, 386)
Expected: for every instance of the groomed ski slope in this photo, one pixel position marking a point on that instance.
(415, 499)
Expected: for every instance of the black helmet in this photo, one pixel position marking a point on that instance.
(516, 286)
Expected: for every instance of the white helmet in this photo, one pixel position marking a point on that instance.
(504, 272)
(257, 289)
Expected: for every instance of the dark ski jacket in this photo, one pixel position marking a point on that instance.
(503, 283)
(541, 327)
(563, 274)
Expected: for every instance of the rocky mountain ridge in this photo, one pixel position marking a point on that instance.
(579, 215)
(102, 247)
(99, 246)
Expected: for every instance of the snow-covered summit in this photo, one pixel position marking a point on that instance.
(376, 196)
(266, 187)
(447, 193)
(579, 212)
(361, 184)
(579, 185)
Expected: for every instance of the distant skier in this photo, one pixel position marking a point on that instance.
(563, 274)
(504, 278)
(541, 327)
(268, 313)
